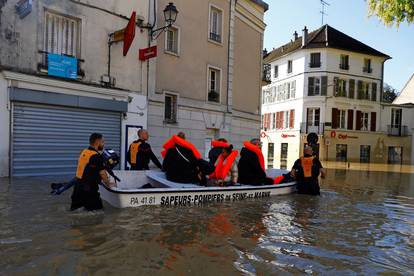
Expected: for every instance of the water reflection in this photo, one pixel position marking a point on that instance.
(362, 224)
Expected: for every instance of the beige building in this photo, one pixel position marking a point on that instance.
(208, 73)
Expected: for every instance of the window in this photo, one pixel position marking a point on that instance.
(215, 24)
(273, 120)
(364, 120)
(367, 66)
(365, 154)
(395, 155)
(270, 154)
(286, 119)
(314, 86)
(276, 71)
(283, 155)
(396, 118)
(344, 62)
(340, 87)
(289, 66)
(172, 40)
(293, 89)
(292, 118)
(62, 34)
(170, 110)
(213, 85)
(315, 60)
(313, 117)
(341, 152)
(363, 90)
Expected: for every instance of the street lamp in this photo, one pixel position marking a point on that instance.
(170, 16)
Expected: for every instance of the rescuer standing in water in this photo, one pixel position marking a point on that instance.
(90, 173)
(307, 170)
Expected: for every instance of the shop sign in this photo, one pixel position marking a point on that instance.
(62, 66)
(346, 136)
(147, 53)
(263, 134)
(284, 135)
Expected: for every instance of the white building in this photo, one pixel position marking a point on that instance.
(328, 83)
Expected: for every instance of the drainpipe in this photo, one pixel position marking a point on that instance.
(230, 54)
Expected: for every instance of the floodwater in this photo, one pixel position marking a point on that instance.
(362, 224)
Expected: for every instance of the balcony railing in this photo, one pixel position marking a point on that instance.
(344, 66)
(306, 128)
(213, 96)
(43, 66)
(266, 73)
(401, 131)
(215, 37)
(315, 64)
(367, 69)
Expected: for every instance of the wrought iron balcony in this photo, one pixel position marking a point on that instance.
(215, 37)
(43, 66)
(400, 131)
(213, 96)
(315, 64)
(344, 66)
(306, 128)
(367, 69)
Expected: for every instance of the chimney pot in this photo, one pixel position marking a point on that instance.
(295, 35)
(304, 36)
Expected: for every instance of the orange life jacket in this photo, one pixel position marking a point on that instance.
(224, 165)
(83, 161)
(175, 140)
(133, 151)
(257, 151)
(307, 163)
(219, 144)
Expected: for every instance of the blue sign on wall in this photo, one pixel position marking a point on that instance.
(62, 66)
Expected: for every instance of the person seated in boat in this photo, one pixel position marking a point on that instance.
(140, 153)
(90, 173)
(226, 172)
(251, 165)
(182, 161)
(307, 170)
(217, 149)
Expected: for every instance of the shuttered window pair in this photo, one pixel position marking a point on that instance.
(317, 86)
(364, 91)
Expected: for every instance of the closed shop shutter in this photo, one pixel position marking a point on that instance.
(47, 140)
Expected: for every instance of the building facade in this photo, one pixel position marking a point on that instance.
(329, 84)
(57, 84)
(208, 73)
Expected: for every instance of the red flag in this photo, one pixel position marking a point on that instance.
(129, 33)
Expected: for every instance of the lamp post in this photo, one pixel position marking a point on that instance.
(170, 16)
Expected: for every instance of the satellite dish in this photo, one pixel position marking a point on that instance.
(312, 138)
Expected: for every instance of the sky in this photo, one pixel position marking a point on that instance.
(351, 18)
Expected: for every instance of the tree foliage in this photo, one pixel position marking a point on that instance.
(389, 94)
(392, 12)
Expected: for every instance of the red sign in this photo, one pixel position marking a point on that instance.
(287, 135)
(129, 33)
(263, 134)
(333, 134)
(148, 53)
(346, 136)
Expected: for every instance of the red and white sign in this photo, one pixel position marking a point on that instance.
(148, 53)
(333, 134)
(346, 136)
(129, 33)
(263, 134)
(284, 135)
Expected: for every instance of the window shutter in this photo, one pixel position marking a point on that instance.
(358, 120)
(310, 86)
(335, 113)
(373, 121)
(351, 94)
(336, 86)
(277, 120)
(282, 119)
(350, 119)
(324, 85)
(292, 119)
(374, 92)
(360, 96)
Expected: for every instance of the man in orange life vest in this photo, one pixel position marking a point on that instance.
(307, 170)
(90, 173)
(140, 153)
(225, 173)
(217, 149)
(251, 165)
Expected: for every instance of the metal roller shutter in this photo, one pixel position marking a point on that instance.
(47, 139)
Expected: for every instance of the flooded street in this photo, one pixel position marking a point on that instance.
(362, 224)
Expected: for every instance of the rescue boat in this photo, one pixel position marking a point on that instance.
(131, 193)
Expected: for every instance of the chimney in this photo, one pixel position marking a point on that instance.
(265, 53)
(295, 36)
(304, 36)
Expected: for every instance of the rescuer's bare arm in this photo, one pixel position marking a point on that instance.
(105, 179)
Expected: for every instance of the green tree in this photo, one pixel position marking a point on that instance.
(389, 94)
(392, 12)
